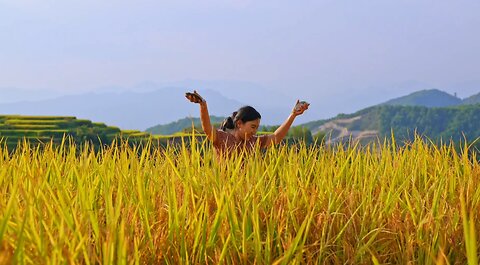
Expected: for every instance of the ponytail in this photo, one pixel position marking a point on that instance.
(229, 123)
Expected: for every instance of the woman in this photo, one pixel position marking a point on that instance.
(240, 129)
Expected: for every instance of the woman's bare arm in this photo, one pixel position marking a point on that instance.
(282, 131)
(204, 116)
(206, 124)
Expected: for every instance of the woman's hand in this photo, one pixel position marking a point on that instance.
(194, 97)
(300, 108)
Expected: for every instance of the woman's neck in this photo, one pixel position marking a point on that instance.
(237, 135)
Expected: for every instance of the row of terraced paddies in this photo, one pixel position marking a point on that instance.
(15, 129)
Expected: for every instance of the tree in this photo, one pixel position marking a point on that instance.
(300, 133)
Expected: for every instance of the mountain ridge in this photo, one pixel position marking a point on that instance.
(428, 98)
(378, 120)
(152, 106)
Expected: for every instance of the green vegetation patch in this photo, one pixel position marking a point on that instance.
(35, 122)
(35, 133)
(41, 129)
(13, 117)
(30, 127)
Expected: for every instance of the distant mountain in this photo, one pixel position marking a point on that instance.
(11, 94)
(273, 105)
(127, 110)
(362, 124)
(475, 99)
(250, 93)
(154, 105)
(180, 125)
(426, 98)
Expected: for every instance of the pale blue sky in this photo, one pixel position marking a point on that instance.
(319, 50)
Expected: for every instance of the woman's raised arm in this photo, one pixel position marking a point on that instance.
(204, 116)
(281, 132)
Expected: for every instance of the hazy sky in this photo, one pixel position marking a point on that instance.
(314, 49)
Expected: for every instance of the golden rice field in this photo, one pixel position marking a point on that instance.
(383, 204)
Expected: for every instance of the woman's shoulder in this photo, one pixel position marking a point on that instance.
(221, 135)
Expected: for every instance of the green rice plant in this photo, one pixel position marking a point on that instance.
(111, 130)
(184, 203)
(139, 134)
(30, 127)
(99, 124)
(25, 117)
(79, 122)
(35, 122)
(32, 133)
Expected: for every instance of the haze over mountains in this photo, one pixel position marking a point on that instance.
(155, 104)
(127, 110)
(10, 95)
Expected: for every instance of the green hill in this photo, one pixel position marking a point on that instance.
(426, 98)
(378, 121)
(475, 99)
(43, 129)
(180, 125)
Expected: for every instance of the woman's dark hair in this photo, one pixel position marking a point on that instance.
(244, 114)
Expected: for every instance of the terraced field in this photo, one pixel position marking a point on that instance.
(45, 129)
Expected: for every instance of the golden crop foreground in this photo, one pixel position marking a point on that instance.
(289, 205)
